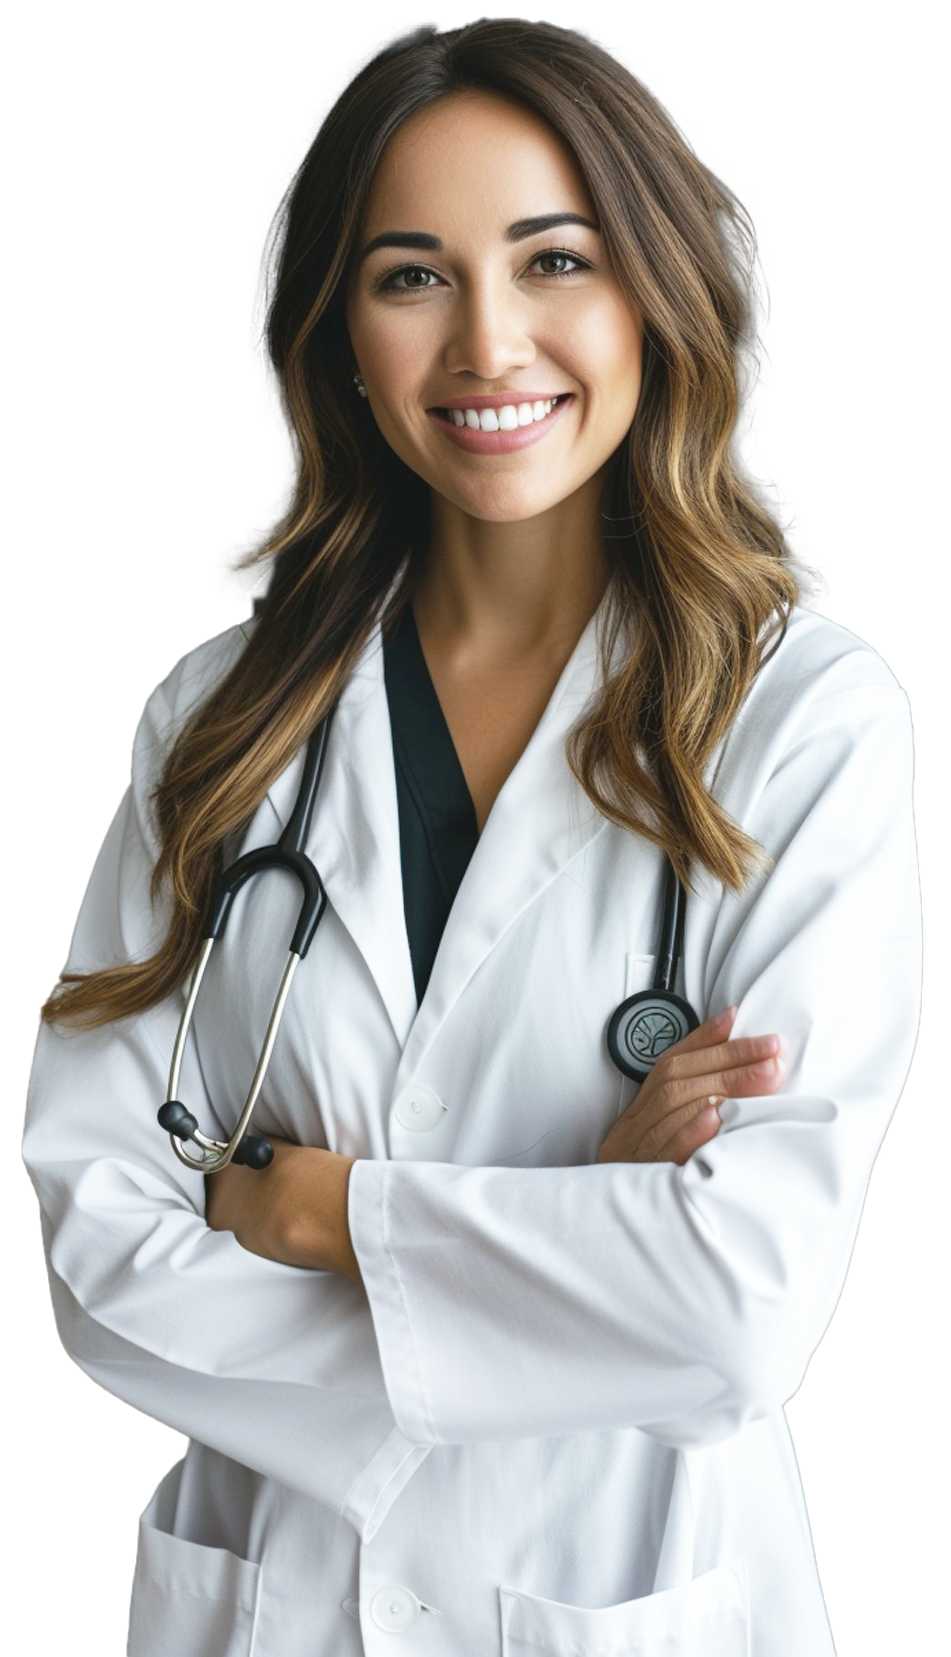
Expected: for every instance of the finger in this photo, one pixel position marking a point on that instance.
(664, 1097)
(688, 1056)
(712, 1030)
(681, 1146)
(678, 1128)
(631, 1140)
(727, 1055)
(736, 1081)
(747, 1080)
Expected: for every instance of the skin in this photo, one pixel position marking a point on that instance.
(515, 566)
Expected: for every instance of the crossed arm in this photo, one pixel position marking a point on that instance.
(295, 1211)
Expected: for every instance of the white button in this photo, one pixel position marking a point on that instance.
(419, 1108)
(394, 1609)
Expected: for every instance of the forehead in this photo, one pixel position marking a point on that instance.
(473, 153)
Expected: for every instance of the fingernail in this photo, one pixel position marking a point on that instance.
(774, 1066)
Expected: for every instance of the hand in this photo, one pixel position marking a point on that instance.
(294, 1211)
(675, 1110)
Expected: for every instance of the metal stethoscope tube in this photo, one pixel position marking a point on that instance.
(191, 1146)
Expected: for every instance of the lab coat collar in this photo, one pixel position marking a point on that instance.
(540, 821)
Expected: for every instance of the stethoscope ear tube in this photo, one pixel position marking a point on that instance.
(195, 1149)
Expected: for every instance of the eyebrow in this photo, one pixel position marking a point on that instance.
(517, 232)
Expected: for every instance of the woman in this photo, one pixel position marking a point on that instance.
(492, 1356)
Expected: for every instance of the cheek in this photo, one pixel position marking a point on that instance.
(603, 346)
(621, 355)
(391, 356)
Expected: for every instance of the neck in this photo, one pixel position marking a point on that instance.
(500, 590)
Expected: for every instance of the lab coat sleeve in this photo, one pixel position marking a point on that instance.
(688, 1301)
(275, 1367)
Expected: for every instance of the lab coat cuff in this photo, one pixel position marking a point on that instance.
(368, 1205)
(373, 1492)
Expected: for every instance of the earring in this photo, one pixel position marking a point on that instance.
(358, 382)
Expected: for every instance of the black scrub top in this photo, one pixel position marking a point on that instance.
(438, 830)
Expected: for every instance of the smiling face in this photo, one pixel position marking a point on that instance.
(466, 313)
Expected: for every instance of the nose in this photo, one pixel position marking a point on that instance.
(489, 333)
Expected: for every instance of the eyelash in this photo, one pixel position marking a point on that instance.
(386, 282)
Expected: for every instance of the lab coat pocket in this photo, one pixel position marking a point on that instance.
(189, 1599)
(705, 1618)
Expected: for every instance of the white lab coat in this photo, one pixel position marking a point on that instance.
(553, 1421)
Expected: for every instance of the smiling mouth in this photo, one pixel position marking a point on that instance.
(510, 417)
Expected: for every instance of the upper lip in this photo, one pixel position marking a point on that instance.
(502, 399)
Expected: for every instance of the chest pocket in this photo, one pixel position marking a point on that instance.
(708, 1615)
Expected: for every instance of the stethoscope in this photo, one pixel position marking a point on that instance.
(640, 1030)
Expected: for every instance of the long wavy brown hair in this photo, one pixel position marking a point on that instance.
(695, 556)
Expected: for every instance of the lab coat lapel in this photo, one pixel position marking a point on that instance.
(354, 839)
(541, 820)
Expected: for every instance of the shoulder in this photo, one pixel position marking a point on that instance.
(817, 655)
(818, 674)
(194, 676)
(189, 683)
(823, 705)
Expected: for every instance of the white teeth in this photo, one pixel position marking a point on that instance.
(505, 419)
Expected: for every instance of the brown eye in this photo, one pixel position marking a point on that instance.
(561, 258)
(390, 281)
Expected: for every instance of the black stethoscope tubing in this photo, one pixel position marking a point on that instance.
(643, 1027)
(640, 1029)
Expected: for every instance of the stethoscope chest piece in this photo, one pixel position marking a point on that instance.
(644, 1026)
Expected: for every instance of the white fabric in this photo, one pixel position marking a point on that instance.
(555, 1417)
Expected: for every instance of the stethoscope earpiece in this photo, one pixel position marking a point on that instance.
(251, 1152)
(174, 1118)
(254, 1152)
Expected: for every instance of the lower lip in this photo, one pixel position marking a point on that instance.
(499, 443)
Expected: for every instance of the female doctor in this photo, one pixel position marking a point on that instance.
(491, 1356)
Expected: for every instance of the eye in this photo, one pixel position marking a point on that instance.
(390, 281)
(560, 254)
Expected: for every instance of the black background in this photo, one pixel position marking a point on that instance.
(149, 454)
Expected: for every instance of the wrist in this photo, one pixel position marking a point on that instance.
(336, 1244)
(314, 1226)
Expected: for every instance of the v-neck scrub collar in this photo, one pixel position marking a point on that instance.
(438, 828)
